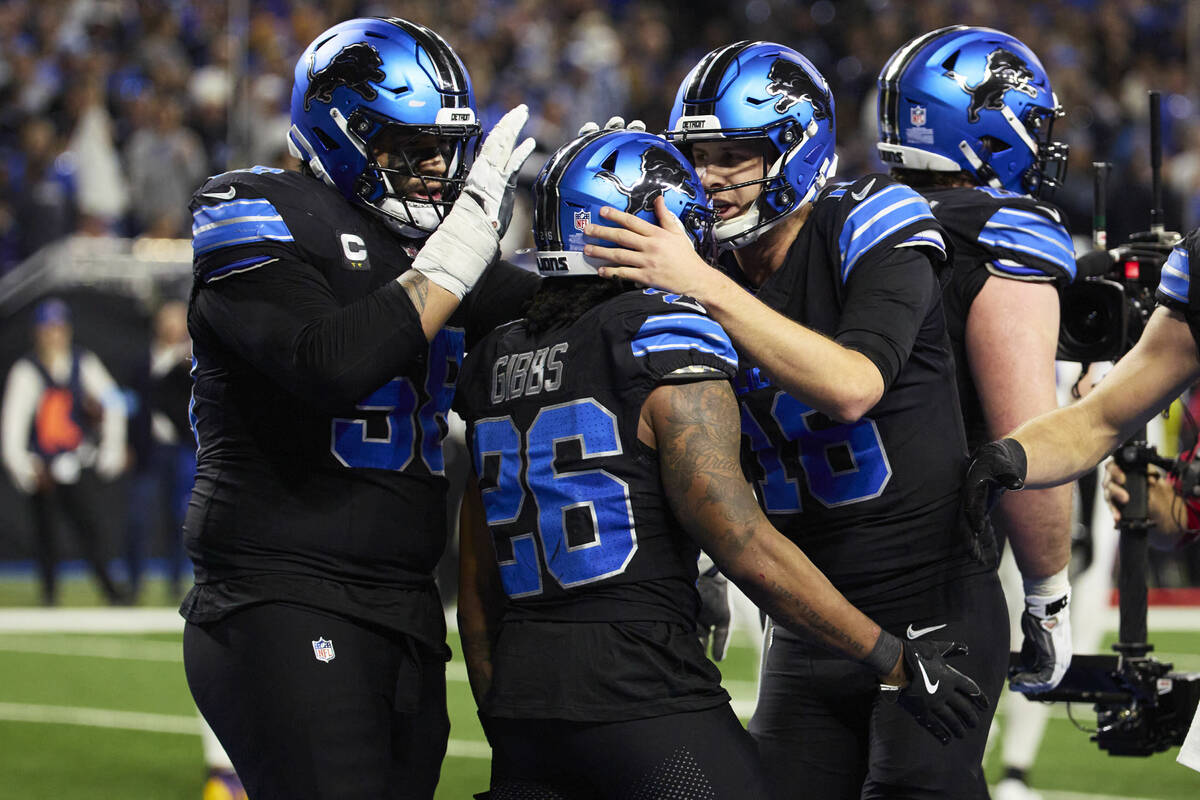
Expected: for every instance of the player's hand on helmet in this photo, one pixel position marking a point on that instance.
(468, 240)
(662, 255)
(1046, 624)
(615, 123)
(994, 468)
(941, 699)
(715, 613)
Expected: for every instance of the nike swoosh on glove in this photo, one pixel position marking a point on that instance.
(1046, 651)
(941, 699)
(468, 239)
(996, 467)
(714, 614)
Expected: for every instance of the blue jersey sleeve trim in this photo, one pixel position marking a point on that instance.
(1176, 276)
(245, 265)
(664, 332)
(876, 218)
(1032, 234)
(237, 222)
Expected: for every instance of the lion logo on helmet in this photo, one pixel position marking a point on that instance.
(354, 67)
(1003, 72)
(792, 84)
(661, 173)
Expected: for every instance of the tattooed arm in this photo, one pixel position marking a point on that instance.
(695, 428)
(480, 595)
(434, 304)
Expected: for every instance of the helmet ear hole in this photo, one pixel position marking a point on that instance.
(993, 144)
(326, 140)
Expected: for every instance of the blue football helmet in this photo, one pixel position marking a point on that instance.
(624, 169)
(368, 86)
(974, 100)
(761, 91)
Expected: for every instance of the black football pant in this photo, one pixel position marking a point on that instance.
(823, 731)
(698, 755)
(369, 723)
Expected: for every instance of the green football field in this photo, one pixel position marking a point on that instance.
(91, 715)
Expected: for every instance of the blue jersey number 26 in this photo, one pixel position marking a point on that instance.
(585, 493)
(842, 464)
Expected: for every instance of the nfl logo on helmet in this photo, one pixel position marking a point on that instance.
(323, 649)
(916, 115)
(582, 219)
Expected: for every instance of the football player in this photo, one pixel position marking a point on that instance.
(1062, 445)
(850, 417)
(965, 117)
(604, 434)
(329, 313)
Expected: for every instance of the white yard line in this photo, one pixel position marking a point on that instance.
(93, 647)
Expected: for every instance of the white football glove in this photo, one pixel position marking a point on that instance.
(613, 124)
(467, 241)
(715, 612)
(1046, 623)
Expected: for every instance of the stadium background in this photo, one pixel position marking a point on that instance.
(113, 111)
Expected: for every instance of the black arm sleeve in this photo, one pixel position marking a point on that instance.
(284, 320)
(887, 300)
(500, 296)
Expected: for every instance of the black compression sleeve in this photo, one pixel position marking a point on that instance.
(285, 321)
(887, 301)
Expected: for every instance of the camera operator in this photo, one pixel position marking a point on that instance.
(1063, 444)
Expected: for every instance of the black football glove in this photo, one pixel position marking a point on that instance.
(941, 699)
(996, 467)
(714, 610)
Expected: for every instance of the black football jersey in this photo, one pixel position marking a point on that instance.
(321, 485)
(872, 503)
(1175, 286)
(585, 540)
(995, 233)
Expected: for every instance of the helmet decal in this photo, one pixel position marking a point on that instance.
(661, 173)
(355, 67)
(1005, 71)
(792, 84)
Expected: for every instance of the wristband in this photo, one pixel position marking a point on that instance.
(884, 655)
(1054, 585)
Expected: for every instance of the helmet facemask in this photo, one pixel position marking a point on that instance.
(402, 181)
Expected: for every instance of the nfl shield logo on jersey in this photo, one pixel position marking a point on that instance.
(323, 650)
(582, 219)
(916, 115)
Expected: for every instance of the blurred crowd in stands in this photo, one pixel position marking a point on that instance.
(112, 111)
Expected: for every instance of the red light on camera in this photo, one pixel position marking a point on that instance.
(1133, 270)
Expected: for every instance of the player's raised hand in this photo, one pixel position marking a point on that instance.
(615, 123)
(493, 177)
(996, 467)
(941, 699)
(468, 240)
(662, 255)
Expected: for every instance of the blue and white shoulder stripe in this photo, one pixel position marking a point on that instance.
(1028, 240)
(879, 216)
(683, 331)
(237, 222)
(1175, 283)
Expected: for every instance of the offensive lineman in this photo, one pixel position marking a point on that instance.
(975, 139)
(328, 331)
(849, 411)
